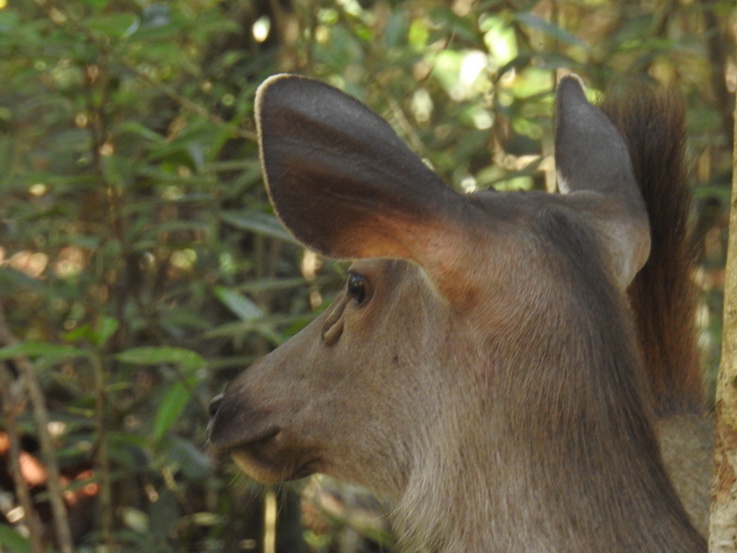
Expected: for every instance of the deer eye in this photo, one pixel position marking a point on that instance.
(357, 287)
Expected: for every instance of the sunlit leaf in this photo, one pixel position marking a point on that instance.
(114, 25)
(239, 304)
(135, 519)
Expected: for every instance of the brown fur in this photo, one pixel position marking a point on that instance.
(489, 382)
(663, 295)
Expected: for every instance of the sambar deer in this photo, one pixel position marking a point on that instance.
(481, 368)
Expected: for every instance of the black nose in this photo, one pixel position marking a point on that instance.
(215, 405)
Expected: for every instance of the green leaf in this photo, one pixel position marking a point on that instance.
(41, 349)
(535, 22)
(187, 457)
(13, 279)
(177, 397)
(238, 329)
(13, 541)
(150, 355)
(114, 25)
(98, 335)
(271, 284)
(126, 449)
(104, 329)
(171, 407)
(8, 21)
(136, 128)
(239, 304)
(260, 223)
(95, 4)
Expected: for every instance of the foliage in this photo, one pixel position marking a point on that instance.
(141, 266)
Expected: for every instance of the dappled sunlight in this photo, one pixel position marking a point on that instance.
(32, 264)
(70, 261)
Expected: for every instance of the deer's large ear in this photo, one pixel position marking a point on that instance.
(345, 185)
(592, 157)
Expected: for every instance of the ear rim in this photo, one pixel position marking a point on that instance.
(423, 196)
(422, 222)
(614, 204)
(577, 118)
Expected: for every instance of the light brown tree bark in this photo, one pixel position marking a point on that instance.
(723, 523)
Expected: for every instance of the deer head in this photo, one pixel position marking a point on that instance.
(481, 339)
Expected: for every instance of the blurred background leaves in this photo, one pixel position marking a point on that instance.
(141, 266)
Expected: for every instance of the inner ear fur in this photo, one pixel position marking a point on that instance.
(346, 186)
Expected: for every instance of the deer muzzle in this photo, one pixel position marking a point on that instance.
(260, 447)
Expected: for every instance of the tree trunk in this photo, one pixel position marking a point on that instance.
(723, 524)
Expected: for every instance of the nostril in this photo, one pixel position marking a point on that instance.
(215, 405)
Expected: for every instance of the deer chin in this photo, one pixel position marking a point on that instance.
(263, 449)
(274, 459)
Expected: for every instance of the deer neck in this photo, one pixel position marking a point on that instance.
(570, 464)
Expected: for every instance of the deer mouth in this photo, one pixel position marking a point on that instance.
(265, 451)
(272, 471)
(273, 458)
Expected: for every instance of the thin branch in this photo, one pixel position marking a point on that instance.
(41, 416)
(102, 457)
(13, 405)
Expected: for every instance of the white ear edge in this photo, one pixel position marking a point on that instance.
(629, 247)
(563, 187)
